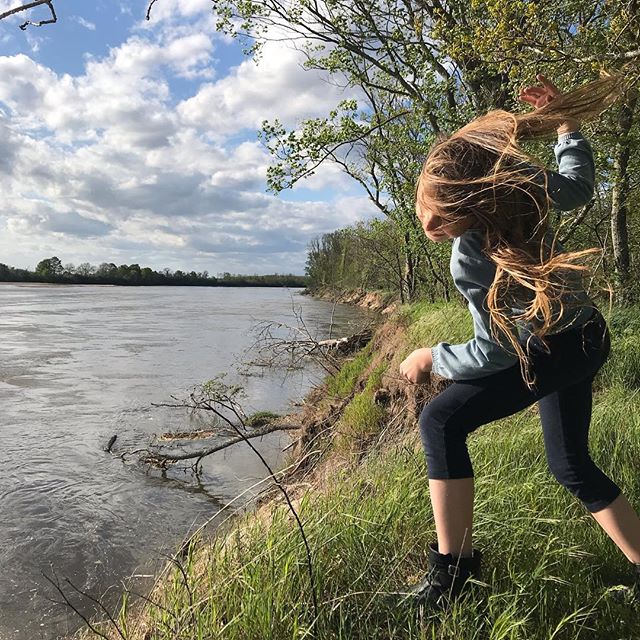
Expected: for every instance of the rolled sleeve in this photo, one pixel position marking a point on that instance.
(572, 185)
(482, 355)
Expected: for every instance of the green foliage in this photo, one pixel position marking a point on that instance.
(364, 256)
(50, 268)
(441, 322)
(362, 417)
(548, 571)
(423, 69)
(622, 368)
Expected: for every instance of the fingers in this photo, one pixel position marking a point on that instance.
(539, 96)
(547, 84)
(415, 377)
(535, 92)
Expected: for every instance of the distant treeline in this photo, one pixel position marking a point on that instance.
(52, 270)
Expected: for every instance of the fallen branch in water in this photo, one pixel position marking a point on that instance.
(222, 400)
(162, 460)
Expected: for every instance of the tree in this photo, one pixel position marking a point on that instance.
(50, 268)
(85, 269)
(422, 68)
(107, 269)
(419, 69)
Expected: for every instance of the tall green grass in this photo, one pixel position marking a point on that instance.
(547, 572)
(362, 417)
(342, 383)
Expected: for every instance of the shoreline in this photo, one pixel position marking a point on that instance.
(382, 301)
(359, 484)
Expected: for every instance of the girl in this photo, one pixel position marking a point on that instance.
(538, 336)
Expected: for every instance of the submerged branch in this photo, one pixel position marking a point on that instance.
(163, 459)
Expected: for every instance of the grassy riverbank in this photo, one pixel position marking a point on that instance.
(363, 498)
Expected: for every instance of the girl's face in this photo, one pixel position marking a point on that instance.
(437, 229)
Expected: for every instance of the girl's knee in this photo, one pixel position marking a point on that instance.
(439, 429)
(432, 426)
(585, 481)
(570, 474)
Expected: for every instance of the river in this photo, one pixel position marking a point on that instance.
(81, 363)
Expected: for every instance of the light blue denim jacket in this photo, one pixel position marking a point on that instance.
(473, 273)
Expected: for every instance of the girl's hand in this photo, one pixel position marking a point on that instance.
(416, 367)
(541, 95)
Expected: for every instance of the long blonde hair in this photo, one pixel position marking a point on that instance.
(481, 174)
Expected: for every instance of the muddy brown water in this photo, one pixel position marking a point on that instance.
(81, 363)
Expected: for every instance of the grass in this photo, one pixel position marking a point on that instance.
(547, 569)
(362, 417)
(260, 418)
(341, 384)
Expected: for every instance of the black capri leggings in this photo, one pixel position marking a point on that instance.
(563, 390)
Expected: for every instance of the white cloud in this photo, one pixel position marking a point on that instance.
(275, 87)
(105, 165)
(84, 23)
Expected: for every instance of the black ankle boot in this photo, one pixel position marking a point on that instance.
(635, 589)
(628, 595)
(446, 577)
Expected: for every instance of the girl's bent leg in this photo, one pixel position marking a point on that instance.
(452, 502)
(445, 424)
(622, 525)
(565, 417)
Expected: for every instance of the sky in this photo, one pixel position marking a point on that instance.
(129, 141)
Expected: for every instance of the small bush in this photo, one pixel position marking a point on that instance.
(362, 417)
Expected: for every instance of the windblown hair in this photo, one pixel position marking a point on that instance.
(480, 174)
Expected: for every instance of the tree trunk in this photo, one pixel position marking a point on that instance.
(620, 200)
(409, 279)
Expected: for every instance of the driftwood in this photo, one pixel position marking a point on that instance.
(231, 423)
(163, 459)
(346, 345)
(112, 441)
(279, 344)
(222, 401)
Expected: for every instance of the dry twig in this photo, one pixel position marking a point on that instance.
(31, 5)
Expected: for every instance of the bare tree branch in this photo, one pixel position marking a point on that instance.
(162, 459)
(31, 5)
(276, 343)
(70, 604)
(149, 9)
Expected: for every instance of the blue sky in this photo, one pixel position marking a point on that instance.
(129, 141)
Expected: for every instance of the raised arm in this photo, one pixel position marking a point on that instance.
(572, 185)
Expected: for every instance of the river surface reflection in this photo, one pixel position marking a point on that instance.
(81, 363)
